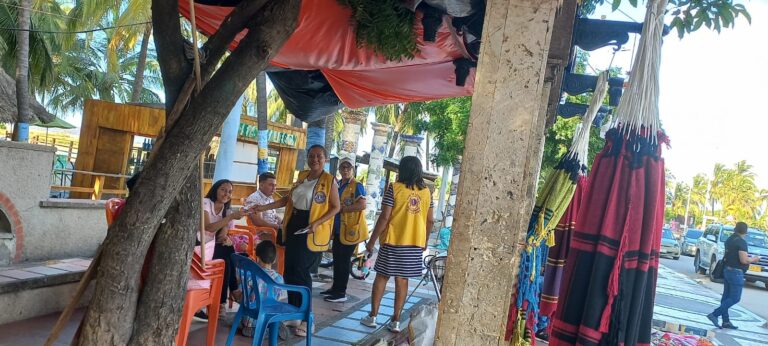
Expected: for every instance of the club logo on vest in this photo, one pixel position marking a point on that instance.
(414, 204)
(348, 202)
(320, 197)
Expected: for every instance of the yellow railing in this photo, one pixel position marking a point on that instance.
(98, 185)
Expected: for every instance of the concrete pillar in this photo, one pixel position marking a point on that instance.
(373, 183)
(501, 157)
(225, 158)
(441, 195)
(351, 133)
(411, 145)
(316, 135)
(448, 222)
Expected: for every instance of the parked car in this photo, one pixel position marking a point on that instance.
(711, 248)
(669, 245)
(690, 241)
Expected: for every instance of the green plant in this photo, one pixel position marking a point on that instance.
(384, 26)
(688, 15)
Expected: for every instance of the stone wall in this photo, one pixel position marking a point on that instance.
(43, 229)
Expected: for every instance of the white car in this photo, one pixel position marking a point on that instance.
(711, 248)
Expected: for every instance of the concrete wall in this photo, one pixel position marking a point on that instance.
(47, 230)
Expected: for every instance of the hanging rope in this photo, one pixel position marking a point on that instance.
(580, 146)
(638, 110)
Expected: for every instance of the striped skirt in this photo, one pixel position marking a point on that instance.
(399, 261)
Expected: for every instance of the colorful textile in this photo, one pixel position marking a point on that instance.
(609, 283)
(553, 272)
(551, 204)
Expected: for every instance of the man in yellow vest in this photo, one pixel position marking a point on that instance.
(349, 229)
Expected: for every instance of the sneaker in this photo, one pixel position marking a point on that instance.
(327, 292)
(200, 316)
(394, 326)
(369, 321)
(712, 318)
(336, 298)
(728, 325)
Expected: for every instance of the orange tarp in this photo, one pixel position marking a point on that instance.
(325, 40)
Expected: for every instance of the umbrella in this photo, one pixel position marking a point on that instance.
(57, 123)
(609, 283)
(551, 204)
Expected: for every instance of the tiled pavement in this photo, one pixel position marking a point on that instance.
(336, 323)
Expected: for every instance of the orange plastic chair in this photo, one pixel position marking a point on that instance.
(196, 299)
(272, 235)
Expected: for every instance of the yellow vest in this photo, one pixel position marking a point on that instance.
(408, 223)
(320, 240)
(353, 229)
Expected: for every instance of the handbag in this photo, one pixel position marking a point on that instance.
(717, 273)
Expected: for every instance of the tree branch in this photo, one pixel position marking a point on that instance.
(169, 44)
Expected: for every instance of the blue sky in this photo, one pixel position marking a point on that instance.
(713, 93)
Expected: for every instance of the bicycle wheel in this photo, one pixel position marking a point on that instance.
(360, 270)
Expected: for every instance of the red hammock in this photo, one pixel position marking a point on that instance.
(610, 278)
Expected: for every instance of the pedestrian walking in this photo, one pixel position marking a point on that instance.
(736, 261)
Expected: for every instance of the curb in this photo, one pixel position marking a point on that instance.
(682, 329)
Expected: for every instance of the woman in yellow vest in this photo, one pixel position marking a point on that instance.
(405, 222)
(349, 229)
(308, 223)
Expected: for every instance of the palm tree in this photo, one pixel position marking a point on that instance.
(96, 13)
(82, 74)
(47, 15)
(24, 116)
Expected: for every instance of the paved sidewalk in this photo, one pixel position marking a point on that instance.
(684, 302)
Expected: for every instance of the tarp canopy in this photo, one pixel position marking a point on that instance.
(324, 41)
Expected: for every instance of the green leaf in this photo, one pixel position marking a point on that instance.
(615, 5)
(633, 3)
(697, 24)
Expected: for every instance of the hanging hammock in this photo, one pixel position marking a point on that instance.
(551, 204)
(608, 286)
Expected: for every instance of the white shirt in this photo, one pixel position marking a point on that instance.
(302, 194)
(259, 198)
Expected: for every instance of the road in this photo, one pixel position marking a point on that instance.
(753, 298)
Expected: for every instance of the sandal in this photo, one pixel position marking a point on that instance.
(301, 330)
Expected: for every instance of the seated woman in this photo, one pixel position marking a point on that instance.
(218, 220)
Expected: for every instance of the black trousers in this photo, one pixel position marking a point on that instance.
(298, 258)
(342, 265)
(221, 251)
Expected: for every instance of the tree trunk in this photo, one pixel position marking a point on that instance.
(138, 81)
(114, 311)
(261, 111)
(396, 133)
(24, 116)
(162, 291)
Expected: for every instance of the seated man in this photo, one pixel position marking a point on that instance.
(263, 196)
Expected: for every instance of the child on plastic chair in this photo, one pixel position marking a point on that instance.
(266, 254)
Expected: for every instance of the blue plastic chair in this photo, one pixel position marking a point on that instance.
(266, 311)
